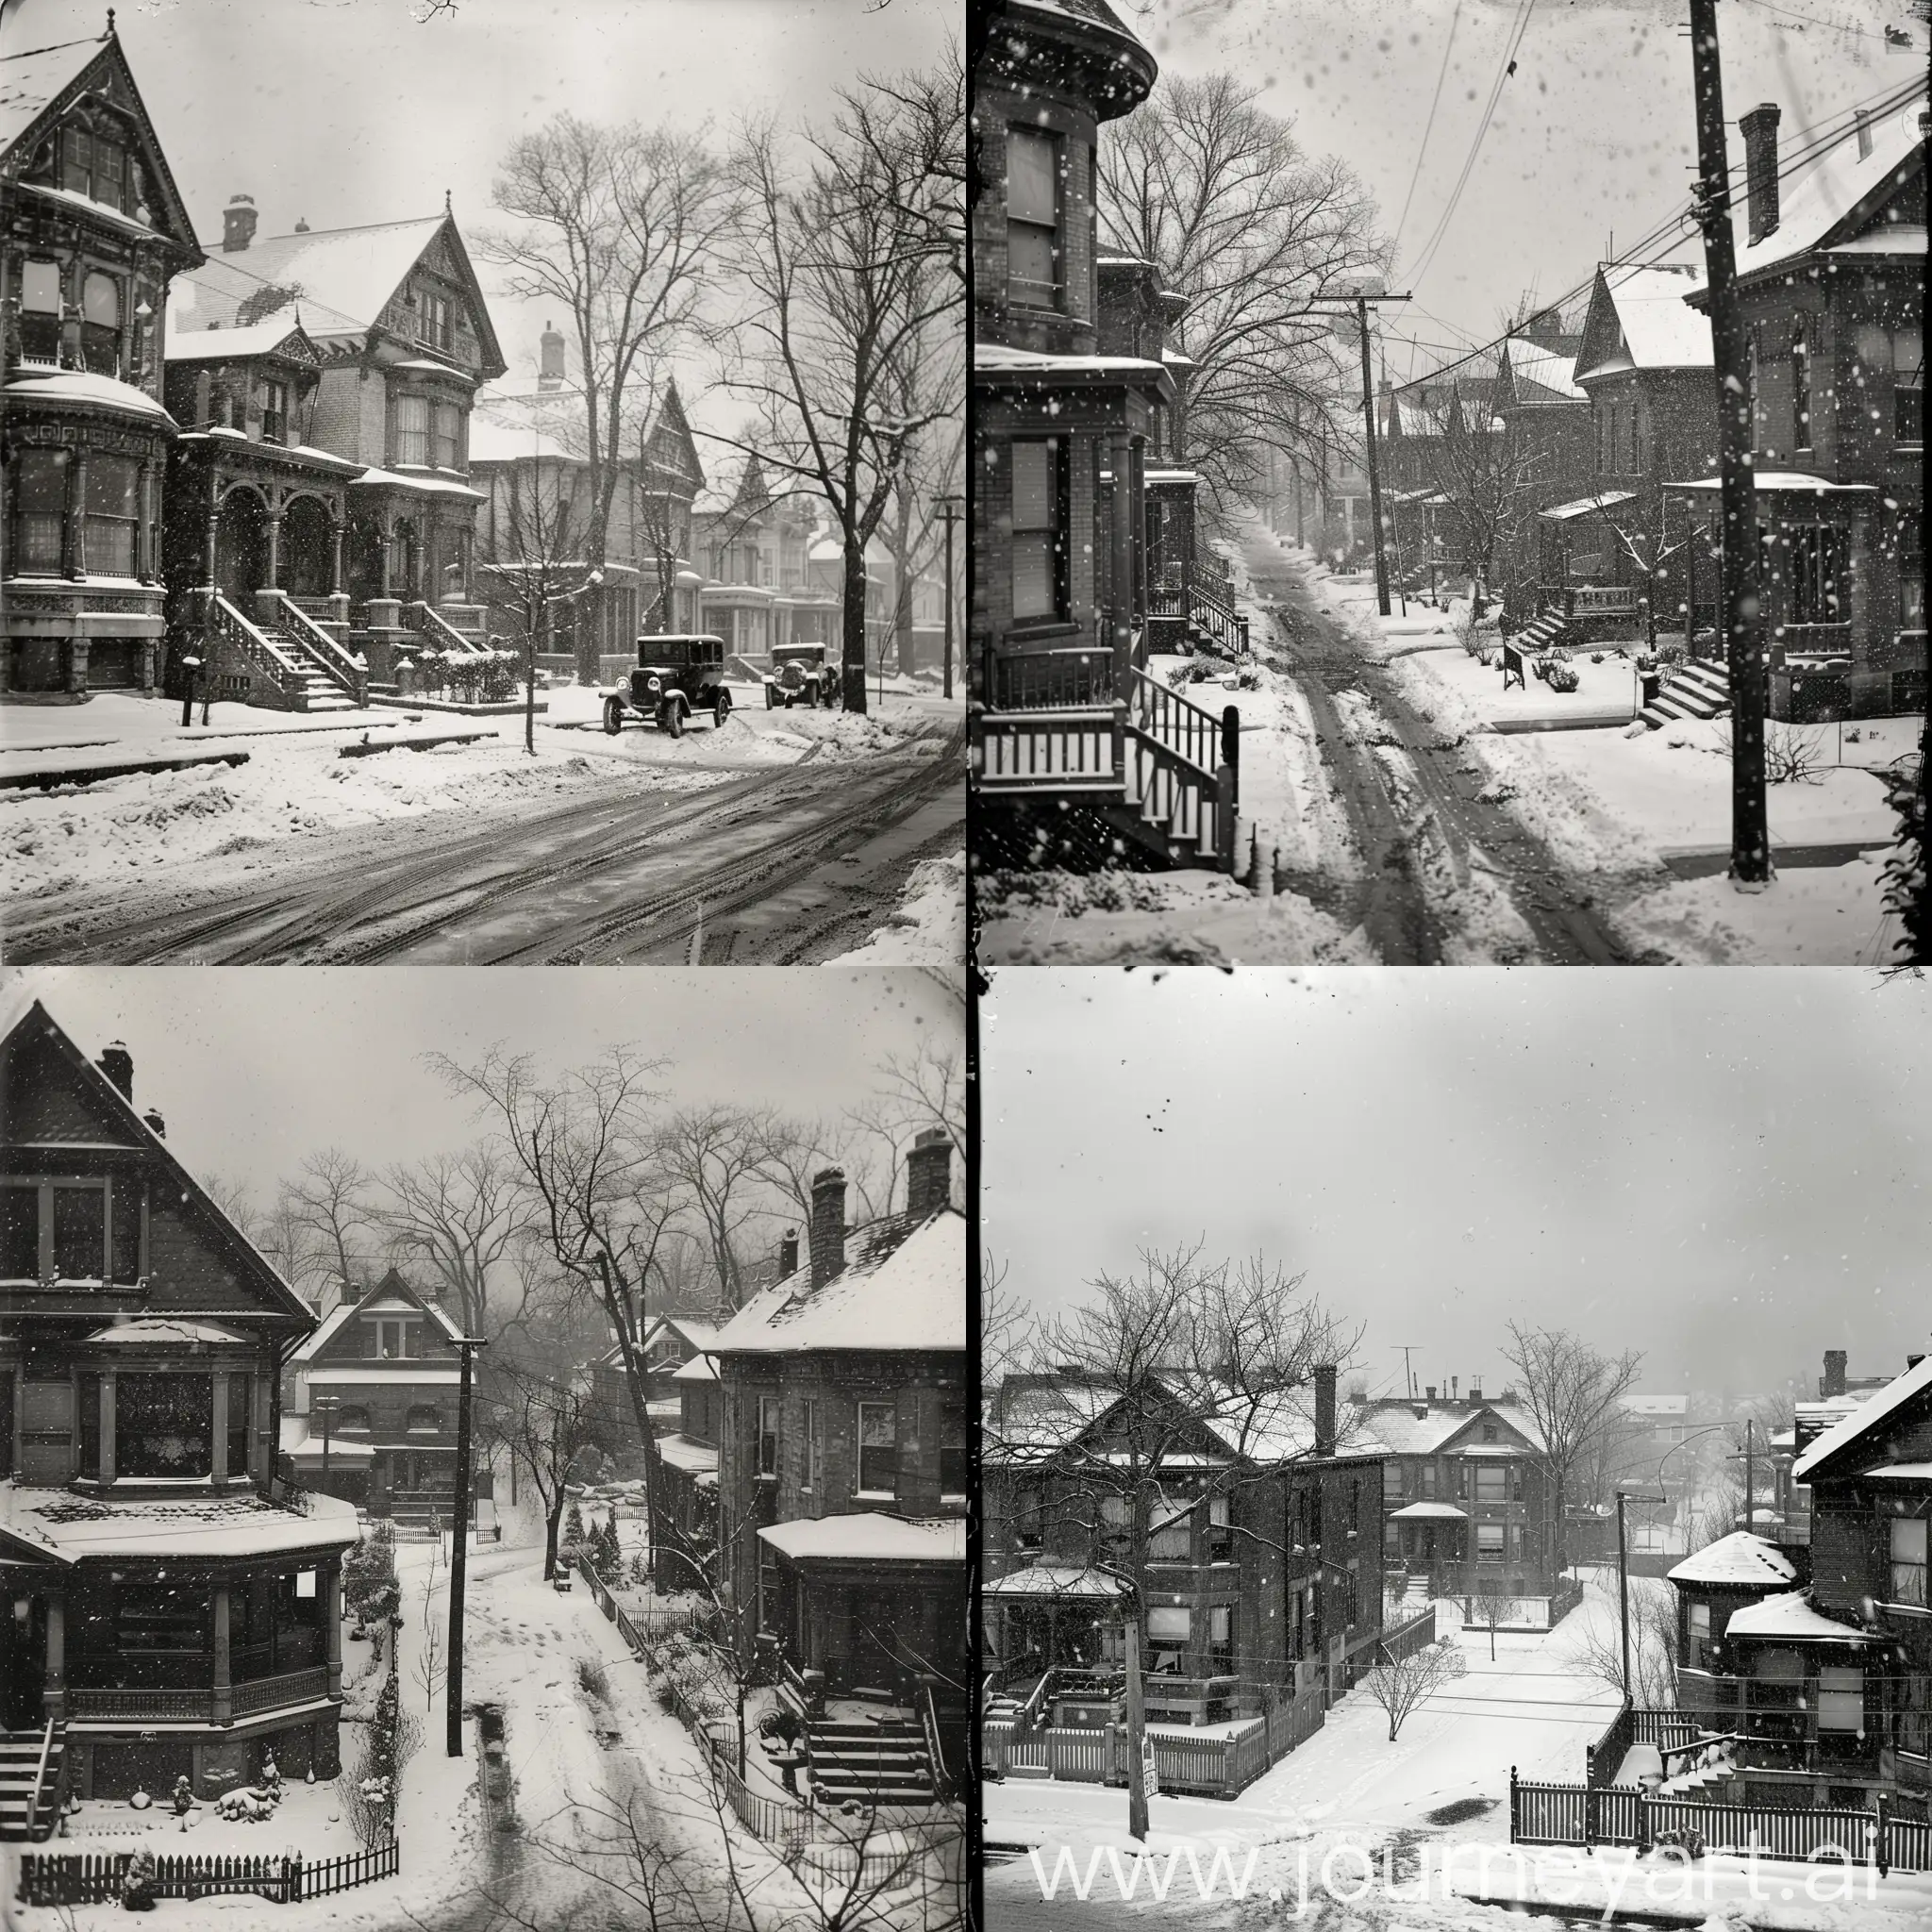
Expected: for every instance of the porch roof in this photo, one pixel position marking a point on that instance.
(1059, 1580)
(341, 1449)
(681, 1452)
(1605, 499)
(431, 486)
(1738, 1560)
(1429, 1512)
(1002, 363)
(1791, 1619)
(387, 1369)
(68, 1528)
(160, 1332)
(868, 1537)
(1785, 483)
(32, 384)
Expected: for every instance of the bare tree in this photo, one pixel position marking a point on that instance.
(1221, 196)
(619, 225)
(1653, 1646)
(1401, 1686)
(1573, 1395)
(1647, 553)
(715, 1157)
(836, 252)
(458, 1214)
(545, 1425)
(1487, 468)
(332, 1200)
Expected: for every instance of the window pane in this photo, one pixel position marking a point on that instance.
(1031, 190)
(20, 1233)
(100, 301)
(1033, 478)
(240, 1395)
(1908, 1539)
(1033, 576)
(1173, 1625)
(79, 1233)
(164, 1425)
(40, 287)
(88, 1393)
(111, 485)
(127, 1229)
(1030, 256)
(1909, 355)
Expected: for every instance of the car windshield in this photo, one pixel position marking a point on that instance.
(673, 650)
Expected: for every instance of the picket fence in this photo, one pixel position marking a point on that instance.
(1551, 1814)
(86, 1878)
(640, 1628)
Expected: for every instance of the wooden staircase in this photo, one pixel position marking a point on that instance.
(881, 1761)
(292, 663)
(1696, 690)
(1545, 633)
(32, 1774)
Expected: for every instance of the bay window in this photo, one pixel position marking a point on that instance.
(878, 1449)
(413, 430)
(1040, 527)
(113, 514)
(37, 492)
(1034, 254)
(163, 1424)
(1172, 1541)
(39, 311)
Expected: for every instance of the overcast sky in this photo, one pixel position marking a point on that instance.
(1729, 1170)
(1592, 135)
(256, 1067)
(346, 113)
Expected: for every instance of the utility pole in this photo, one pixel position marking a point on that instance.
(1361, 304)
(325, 1407)
(460, 1550)
(1741, 616)
(1624, 1594)
(1750, 1471)
(949, 508)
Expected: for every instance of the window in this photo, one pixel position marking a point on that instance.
(1114, 1519)
(352, 1420)
(37, 482)
(1598, 425)
(1908, 384)
(274, 413)
(1220, 1531)
(1489, 1432)
(1697, 1631)
(6, 1425)
(1033, 218)
(1221, 1640)
(1169, 1624)
(1840, 1700)
(413, 430)
(39, 311)
(1913, 1729)
(1488, 1543)
(954, 1456)
(113, 505)
(241, 1402)
(1491, 1483)
(86, 1391)
(157, 1616)
(768, 1435)
(425, 1420)
(1912, 574)
(769, 1608)
(1039, 518)
(1172, 1541)
(810, 1480)
(449, 420)
(1801, 391)
(163, 1426)
(1636, 445)
(100, 323)
(434, 320)
(878, 1449)
(94, 163)
(127, 1204)
(1354, 1506)
(386, 1340)
(1909, 1561)
(1817, 570)
(1615, 430)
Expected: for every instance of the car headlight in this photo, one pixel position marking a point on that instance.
(650, 684)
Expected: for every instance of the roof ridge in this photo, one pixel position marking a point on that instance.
(354, 228)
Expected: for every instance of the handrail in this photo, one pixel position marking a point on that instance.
(348, 669)
(260, 649)
(33, 1810)
(929, 1722)
(1177, 725)
(434, 621)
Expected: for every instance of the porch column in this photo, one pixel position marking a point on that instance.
(219, 1469)
(54, 1679)
(335, 556)
(382, 558)
(73, 548)
(147, 530)
(1120, 585)
(214, 519)
(275, 550)
(107, 1384)
(335, 1628)
(224, 1703)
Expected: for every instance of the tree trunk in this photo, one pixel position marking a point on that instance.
(552, 1521)
(852, 681)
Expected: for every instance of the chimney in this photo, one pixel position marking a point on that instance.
(1863, 120)
(788, 1253)
(1475, 1388)
(930, 1172)
(118, 1064)
(1833, 1381)
(238, 223)
(1759, 128)
(550, 358)
(152, 1118)
(1325, 1408)
(1430, 1391)
(301, 224)
(827, 1224)
(1454, 1382)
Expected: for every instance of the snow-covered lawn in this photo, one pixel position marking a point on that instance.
(928, 927)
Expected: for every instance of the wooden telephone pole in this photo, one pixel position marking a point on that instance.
(1361, 304)
(458, 1552)
(1740, 592)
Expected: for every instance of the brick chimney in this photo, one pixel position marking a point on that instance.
(550, 358)
(788, 1253)
(1476, 1387)
(1833, 1381)
(118, 1064)
(1759, 128)
(1863, 122)
(238, 223)
(827, 1224)
(1325, 1408)
(1430, 1391)
(154, 1120)
(930, 1172)
(1454, 1382)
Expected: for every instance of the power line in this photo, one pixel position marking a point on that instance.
(1442, 73)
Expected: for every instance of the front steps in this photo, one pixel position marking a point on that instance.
(22, 1820)
(1696, 690)
(1545, 633)
(317, 691)
(870, 1760)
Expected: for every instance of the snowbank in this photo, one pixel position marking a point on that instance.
(928, 928)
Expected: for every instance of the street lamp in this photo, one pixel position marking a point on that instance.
(952, 509)
(1624, 1576)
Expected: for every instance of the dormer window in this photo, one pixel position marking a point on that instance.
(275, 412)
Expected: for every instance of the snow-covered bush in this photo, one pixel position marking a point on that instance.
(1909, 871)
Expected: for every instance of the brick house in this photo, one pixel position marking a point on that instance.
(324, 379)
(378, 1381)
(174, 1608)
(842, 1442)
(1469, 1507)
(1831, 292)
(96, 230)
(688, 1467)
(1814, 1646)
(1264, 1548)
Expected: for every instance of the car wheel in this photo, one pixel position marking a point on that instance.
(672, 720)
(722, 711)
(613, 715)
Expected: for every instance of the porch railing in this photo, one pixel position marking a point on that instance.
(1176, 750)
(436, 628)
(348, 671)
(164, 1706)
(1060, 678)
(226, 624)
(291, 1687)
(1813, 640)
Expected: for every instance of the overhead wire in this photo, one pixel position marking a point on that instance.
(1416, 173)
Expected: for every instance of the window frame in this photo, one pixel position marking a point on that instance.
(444, 446)
(765, 1416)
(276, 394)
(1802, 413)
(1908, 1576)
(1030, 227)
(126, 1435)
(115, 528)
(1904, 389)
(34, 557)
(412, 436)
(46, 1190)
(862, 1449)
(1058, 501)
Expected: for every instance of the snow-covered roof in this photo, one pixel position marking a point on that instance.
(1909, 239)
(68, 1528)
(1657, 1404)
(1788, 482)
(1900, 1473)
(210, 299)
(382, 1298)
(29, 81)
(1789, 1618)
(432, 486)
(1428, 1513)
(1811, 207)
(232, 344)
(493, 439)
(1548, 369)
(1660, 329)
(868, 1535)
(680, 1452)
(352, 271)
(903, 1287)
(81, 386)
(159, 1331)
(1604, 499)
(1396, 1422)
(307, 1448)
(1876, 1410)
(386, 1369)
(701, 1368)
(1739, 1560)
(1002, 359)
(1062, 1580)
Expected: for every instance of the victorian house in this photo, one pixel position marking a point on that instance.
(1074, 745)
(95, 228)
(320, 518)
(1807, 1650)
(842, 1478)
(1831, 290)
(173, 1608)
(688, 1467)
(369, 1404)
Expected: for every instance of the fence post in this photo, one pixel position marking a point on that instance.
(1512, 1805)
(1881, 1852)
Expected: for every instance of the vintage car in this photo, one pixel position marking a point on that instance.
(799, 676)
(674, 677)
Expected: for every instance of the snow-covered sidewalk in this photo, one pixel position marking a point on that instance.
(928, 928)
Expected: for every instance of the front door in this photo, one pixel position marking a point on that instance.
(242, 549)
(22, 1661)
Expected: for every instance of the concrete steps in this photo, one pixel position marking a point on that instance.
(878, 1761)
(317, 691)
(23, 1822)
(1695, 690)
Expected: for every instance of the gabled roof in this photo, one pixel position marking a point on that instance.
(1739, 1561)
(35, 1028)
(1639, 319)
(1393, 1419)
(903, 1287)
(1862, 1433)
(1540, 373)
(41, 83)
(391, 1292)
(272, 335)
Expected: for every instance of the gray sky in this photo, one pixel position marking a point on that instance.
(1594, 134)
(1729, 1170)
(256, 1067)
(347, 112)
